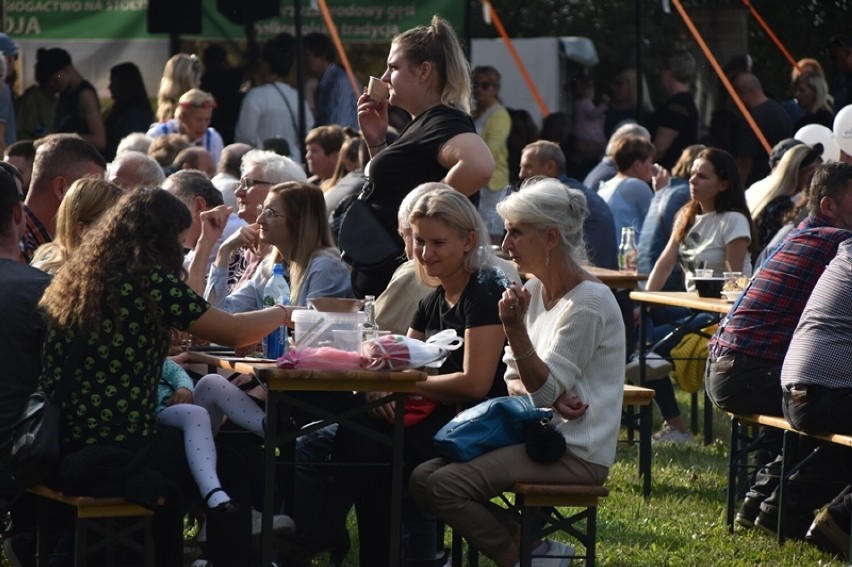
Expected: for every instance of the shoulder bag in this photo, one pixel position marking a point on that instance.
(364, 241)
(489, 425)
(35, 436)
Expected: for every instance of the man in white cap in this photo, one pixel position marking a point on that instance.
(8, 129)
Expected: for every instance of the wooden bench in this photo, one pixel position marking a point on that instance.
(99, 524)
(636, 396)
(536, 507)
(743, 443)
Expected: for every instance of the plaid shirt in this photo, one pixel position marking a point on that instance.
(762, 322)
(34, 236)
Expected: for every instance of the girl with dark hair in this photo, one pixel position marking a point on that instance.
(131, 109)
(714, 230)
(110, 311)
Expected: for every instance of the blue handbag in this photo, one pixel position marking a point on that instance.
(494, 423)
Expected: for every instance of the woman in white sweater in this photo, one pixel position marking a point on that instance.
(566, 343)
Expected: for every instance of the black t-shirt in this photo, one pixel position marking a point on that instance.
(413, 159)
(476, 307)
(678, 113)
(67, 117)
(775, 124)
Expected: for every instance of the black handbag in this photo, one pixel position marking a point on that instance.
(35, 435)
(363, 240)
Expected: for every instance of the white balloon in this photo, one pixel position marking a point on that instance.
(843, 128)
(818, 134)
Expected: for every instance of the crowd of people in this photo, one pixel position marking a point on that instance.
(122, 234)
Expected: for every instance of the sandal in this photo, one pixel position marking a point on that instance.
(224, 509)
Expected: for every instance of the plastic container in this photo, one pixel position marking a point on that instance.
(316, 328)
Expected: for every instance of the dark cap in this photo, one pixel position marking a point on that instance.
(779, 149)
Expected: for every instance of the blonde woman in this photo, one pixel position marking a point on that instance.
(428, 77)
(192, 119)
(770, 199)
(182, 73)
(293, 220)
(83, 203)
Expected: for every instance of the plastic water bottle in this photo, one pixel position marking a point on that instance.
(276, 292)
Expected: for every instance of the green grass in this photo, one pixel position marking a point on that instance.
(682, 523)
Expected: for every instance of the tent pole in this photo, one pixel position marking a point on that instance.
(640, 61)
(300, 77)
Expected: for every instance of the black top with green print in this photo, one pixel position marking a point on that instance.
(114, 390)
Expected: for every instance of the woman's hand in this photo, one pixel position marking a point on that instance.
(373, 120)
(513, 305)
(384, 412)
(213, 223)
(516, 388)
(570, 407)
(660, 178)
(247, 236)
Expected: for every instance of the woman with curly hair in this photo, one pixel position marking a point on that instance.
(110, 311)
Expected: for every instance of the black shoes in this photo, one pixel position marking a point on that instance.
(795, 526)
(748, 512)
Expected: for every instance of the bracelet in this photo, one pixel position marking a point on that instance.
(284, 307)
(379, 145)
(527, 354)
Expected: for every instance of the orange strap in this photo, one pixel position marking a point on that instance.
(771, 34)
(335, 37)
(718, 68)
(502, 31)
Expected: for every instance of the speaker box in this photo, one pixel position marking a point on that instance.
(242, 12)
(168, 16)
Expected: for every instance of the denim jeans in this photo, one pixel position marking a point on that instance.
(744, 384)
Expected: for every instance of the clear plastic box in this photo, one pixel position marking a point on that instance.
(316, 328)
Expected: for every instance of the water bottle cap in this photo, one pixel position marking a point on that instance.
(277, 270)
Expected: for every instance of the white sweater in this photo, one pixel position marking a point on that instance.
(581, 340)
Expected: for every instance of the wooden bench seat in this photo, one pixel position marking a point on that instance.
(743, 443)
(100, 524)
(537, 508)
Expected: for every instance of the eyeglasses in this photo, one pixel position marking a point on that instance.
(205, 105)
(267, 212)
(482, 86)
(248, 182)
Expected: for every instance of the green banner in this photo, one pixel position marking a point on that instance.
(356, 20)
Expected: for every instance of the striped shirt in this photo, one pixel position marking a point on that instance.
(761, 323)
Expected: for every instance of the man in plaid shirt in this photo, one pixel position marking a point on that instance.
(747, 352)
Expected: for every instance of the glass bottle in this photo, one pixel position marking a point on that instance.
(628, 254)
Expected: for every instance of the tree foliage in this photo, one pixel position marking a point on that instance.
(612, 25)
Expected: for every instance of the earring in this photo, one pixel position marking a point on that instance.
(547, 259)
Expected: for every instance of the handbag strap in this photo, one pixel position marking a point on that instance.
(289, 108)
(74, 356)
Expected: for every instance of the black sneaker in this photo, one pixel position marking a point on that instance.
(748, 512)
(796, 526)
